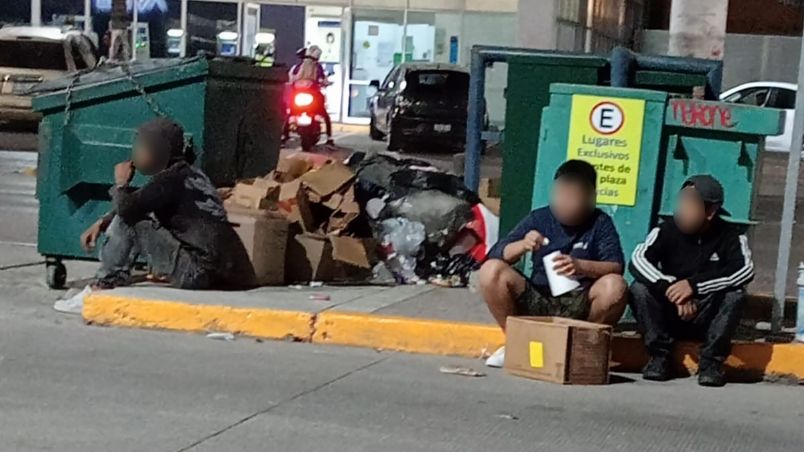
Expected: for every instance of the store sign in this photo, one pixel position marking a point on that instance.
(144, 6)
(607, 132)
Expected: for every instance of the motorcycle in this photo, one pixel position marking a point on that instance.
(304, 118)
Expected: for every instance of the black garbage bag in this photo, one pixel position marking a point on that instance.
(374, 172)
(409, 179)
(382, 174)
(442, 215)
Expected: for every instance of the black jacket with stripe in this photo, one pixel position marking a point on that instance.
(715, 261)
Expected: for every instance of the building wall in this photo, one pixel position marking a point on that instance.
(490, 29)
(768, 17)
(747, 57)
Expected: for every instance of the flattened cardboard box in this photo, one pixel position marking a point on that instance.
(316, 257)
(265, 237)
(558, 350)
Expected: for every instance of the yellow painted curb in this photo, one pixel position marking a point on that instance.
(399, 333)
(171, 315)
(407, 334)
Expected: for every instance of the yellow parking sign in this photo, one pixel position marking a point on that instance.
(607, 132)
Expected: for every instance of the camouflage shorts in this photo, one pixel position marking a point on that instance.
(537, 301)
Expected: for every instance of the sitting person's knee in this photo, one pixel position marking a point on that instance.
(491, 273)
(640, 290)
(734, 298)
(613, 288)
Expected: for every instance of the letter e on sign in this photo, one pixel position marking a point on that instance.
(607, 118)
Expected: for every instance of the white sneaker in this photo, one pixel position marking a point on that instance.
(497, 359)
(73, 304)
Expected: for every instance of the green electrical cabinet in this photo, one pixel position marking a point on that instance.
(232, 114)
(721, 139)
(527, 93)
(626, 149)
(645, 144)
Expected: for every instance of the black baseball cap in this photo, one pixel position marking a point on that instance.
(709, 189)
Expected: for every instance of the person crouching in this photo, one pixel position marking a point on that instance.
(590, 252)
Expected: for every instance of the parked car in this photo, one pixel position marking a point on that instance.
(422, 104)
(30, 55)
(769, 94)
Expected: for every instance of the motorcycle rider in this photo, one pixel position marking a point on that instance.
(300, 54)
(310, 76)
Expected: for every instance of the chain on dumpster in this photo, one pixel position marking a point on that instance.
(149, 100)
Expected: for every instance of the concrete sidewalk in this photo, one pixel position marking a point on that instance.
(418, 319)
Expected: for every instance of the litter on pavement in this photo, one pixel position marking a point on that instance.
(228, 337)
(460, 371)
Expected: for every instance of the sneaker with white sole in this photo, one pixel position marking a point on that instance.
(497, 359)
(73, 304)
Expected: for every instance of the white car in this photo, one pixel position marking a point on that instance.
(30, 55)
(769, 94)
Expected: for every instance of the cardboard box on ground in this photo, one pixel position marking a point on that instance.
(490, 192)
(558, 350)
(315, 196)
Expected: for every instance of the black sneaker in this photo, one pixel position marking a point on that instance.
(711, 374)
(657, 369)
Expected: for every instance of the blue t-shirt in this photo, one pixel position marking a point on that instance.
(596, 240)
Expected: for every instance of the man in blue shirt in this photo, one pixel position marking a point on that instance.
(589, 251)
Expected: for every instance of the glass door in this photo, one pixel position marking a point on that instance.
(376, 41)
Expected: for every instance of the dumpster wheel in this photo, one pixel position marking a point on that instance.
(56, 274)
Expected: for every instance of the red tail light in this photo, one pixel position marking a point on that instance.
(303, 99)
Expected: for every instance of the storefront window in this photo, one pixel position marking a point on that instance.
(377, 41)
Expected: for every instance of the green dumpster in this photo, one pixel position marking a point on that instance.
(625, 150)
(644, 144)
(232, 113)
(722, 139)
(528, 92)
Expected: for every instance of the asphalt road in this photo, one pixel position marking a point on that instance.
(65, 386)
(18, 205)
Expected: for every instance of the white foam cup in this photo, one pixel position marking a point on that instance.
(559, 284)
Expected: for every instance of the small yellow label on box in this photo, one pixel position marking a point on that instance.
(536, 354)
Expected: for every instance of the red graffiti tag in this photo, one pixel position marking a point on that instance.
(698, 114)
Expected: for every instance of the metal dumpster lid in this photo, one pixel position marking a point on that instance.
(109, 73)
(113, 79)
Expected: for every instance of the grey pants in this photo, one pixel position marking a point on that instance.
(124, 244)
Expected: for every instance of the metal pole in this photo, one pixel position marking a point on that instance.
(789, 207)
(183, 51)
(135, 27)
(474, 126)
(405, 33)
(36, 13)
(239, 50)
(87, 16)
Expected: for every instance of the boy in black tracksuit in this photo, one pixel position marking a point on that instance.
(691, 274)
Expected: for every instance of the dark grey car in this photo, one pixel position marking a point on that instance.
(421, 105)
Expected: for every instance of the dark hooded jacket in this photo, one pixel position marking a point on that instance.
(183, 200)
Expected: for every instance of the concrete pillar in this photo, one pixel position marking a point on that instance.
(537, 24)
(698, 28)
(36, 13)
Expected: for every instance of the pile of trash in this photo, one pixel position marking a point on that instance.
(373, 218)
